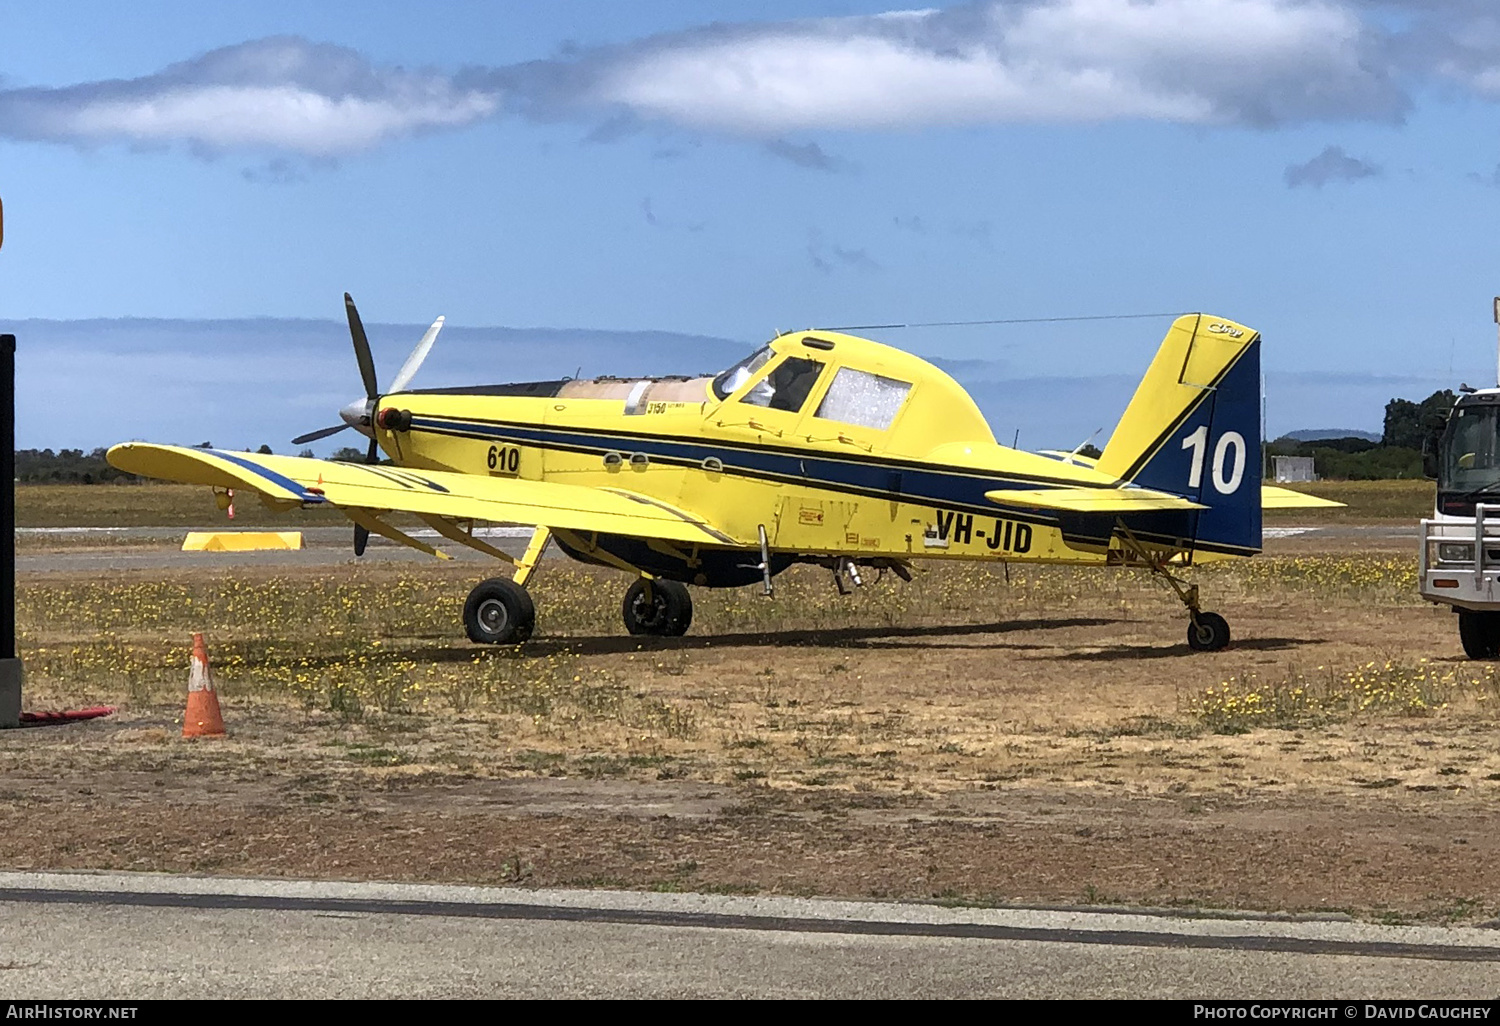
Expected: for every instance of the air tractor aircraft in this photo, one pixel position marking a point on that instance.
(819, 447)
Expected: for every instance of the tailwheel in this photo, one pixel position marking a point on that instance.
(499, 612)
(1208, 632)
(656, 607)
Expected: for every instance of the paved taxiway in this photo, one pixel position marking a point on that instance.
(80, 936)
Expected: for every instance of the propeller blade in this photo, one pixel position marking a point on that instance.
(361, 349)
(409, 368)
(313, 436)
(362, 533)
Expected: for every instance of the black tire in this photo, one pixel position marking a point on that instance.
(499, 612)
(663, 609)
(1480, 634)
(1209, 632)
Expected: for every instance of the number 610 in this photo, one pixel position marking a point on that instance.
(504, 458)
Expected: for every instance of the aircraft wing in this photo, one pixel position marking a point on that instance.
(289, 481)
(1092, 500)
(1272, 497)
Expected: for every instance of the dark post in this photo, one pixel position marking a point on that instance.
(10, 666)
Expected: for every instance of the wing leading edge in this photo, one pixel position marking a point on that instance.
(289, 481)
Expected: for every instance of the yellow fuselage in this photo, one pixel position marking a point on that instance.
(817, 486)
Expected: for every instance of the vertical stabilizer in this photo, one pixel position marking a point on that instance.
(1193, 429)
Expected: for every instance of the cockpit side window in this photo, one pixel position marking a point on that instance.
(787, 386)
(863, 399)
(728, 383)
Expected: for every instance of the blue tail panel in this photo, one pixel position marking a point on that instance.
(1213, 457)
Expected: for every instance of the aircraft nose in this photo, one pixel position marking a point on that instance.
(357, 416)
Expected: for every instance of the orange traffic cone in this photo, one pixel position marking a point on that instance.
(202, 718)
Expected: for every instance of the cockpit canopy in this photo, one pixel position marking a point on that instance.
(850, 381)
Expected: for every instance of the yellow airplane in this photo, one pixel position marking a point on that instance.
(819, 447)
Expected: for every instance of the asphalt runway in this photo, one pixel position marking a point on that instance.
(333, 546)
(88, 936)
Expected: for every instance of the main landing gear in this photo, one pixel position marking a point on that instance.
(500, 612)
(1207, 632)
(656, 607)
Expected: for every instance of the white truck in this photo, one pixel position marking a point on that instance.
(1460, 555)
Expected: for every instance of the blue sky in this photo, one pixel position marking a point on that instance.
(1323, 170)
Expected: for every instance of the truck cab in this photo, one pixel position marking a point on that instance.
(1460, 553)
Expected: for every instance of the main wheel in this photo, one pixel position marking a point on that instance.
(499, 612)
(661, 608)
(1480, 634)
(1209, 632)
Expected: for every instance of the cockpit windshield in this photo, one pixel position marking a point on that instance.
(728, 383)
(1471, 451)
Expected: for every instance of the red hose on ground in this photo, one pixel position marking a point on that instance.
(50, 719)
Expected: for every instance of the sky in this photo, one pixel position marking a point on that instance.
(1325, 171)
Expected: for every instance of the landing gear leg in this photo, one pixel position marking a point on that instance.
(657, 607)
(1207, 632)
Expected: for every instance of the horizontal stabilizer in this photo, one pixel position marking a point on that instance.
(1272, 497)
(1092, 500)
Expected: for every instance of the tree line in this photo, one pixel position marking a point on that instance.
(76, 466)
(1398, 454)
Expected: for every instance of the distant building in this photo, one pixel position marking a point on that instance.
(1294, 468)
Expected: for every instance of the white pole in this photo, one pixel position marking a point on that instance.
(1497, 328)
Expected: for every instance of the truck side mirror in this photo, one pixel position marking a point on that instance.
(1432, 443)
(1431, 446)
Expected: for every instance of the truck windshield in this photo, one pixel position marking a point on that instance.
(1471, 451)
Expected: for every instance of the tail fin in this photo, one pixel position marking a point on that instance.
(1193, 429)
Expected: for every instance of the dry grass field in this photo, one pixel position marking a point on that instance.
(147, 505)
(1366, 502)
(1044, 736)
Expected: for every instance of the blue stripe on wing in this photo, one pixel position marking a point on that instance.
(280, 480)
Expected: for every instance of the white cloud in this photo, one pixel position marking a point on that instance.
(1194, 61)
(1332, 165)
(278, 94)
(1199, 62)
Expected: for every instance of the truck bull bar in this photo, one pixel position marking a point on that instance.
(1460, 560)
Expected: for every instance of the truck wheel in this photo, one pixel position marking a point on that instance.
(1480, 634)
